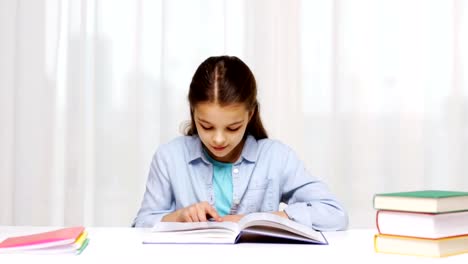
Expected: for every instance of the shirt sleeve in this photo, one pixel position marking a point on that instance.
(309, 200)
(158, 198)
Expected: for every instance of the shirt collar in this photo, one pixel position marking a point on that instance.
(195, 148)
(249, 151)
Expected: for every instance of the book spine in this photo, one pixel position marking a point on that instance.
(376, 248)
(377, 221)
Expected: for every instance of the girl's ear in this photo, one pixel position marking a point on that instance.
(252, 112)
(250, 115)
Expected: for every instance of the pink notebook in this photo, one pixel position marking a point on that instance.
(53, 238)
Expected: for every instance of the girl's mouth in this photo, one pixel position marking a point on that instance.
(219, 148)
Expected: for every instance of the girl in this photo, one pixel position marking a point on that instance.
(225, 166)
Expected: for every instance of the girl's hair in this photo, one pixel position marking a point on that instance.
(225, 80)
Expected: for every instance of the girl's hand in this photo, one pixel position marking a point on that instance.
(281, 213)
(198, 212)
(237, 218)
(232, 218)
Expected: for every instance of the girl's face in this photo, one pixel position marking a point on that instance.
(221, 129)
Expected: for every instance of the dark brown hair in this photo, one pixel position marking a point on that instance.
(226, 80)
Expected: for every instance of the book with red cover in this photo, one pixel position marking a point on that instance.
(422, 225)
(58, 237)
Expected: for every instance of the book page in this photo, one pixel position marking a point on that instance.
(196, 233)
(263, 234)
(186, 226)
(268, 223)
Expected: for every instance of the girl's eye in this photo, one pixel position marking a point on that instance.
(233, 129)
(206, 128)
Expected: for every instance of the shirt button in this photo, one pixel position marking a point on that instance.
(235, 171)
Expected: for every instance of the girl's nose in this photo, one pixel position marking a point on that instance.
(219, 139)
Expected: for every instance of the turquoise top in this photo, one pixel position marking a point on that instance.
(222, 185)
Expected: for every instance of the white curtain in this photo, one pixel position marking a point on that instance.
(371, 94)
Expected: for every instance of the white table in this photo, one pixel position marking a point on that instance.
(109, 245)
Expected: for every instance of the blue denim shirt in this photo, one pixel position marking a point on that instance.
(267, 172)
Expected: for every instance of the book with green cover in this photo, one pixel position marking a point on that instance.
(427, 201)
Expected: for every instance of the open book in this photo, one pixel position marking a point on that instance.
(255, 227)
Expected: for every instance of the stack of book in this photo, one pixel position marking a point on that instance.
(70, 240)
(430, 223)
